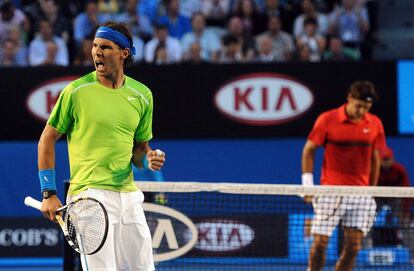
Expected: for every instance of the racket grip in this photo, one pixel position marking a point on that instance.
(29, 201)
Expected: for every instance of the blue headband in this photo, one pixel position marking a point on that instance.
(115, 36)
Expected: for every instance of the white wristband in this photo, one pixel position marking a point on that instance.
(307, 178)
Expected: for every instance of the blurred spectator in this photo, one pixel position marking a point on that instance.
(160, 54)
(309, 11)
(61, 24)
(10, 17)
(394, 174)
(43, 47)
(231, 52)
(177, 24)
(108, 9)
(259, 4)
(71, 8)
(139, 24)
(189, 7)
(274, 8)
(21, 48)
(304, 53)
(350, 21)
(84, 56)
(337, 51)
(312, 40)
(248, 13)
(265, 53)
(245, 40)
(86, 22)
(216, 11)
(282, 42)
(172, 46)
(208, 40)
(194, 56)
(149, 8)
(9, 54)
(51, 53)
(139, 48)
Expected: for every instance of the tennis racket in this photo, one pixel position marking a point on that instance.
(84, 223)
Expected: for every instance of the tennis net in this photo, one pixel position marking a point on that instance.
(229, 226)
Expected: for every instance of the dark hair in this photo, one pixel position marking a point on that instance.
(160, 25)
(364, 91)
(229, 40)
(123, 29)
(197, 13)
(6, 6)
(310, 20)
(160, 46)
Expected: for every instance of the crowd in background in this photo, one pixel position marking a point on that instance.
(60, 32)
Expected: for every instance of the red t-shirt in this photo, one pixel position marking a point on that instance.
(348, 146)
(395, 176)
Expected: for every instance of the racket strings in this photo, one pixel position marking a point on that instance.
(86, 225)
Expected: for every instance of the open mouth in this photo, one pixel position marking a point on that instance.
(99, 65)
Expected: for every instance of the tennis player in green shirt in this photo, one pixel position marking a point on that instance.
(107, 117)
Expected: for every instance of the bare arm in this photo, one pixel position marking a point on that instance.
(46, 160)
(138, 152)
(375, 168)
(308, 156)
(142, 149)
(46, 147)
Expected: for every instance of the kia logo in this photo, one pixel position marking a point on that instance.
(173, 233)
(223, 235)
(43, 98)
(263, 99)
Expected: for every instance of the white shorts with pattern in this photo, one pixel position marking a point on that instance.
(353, 211)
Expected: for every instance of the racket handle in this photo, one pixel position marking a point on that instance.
(29, 201)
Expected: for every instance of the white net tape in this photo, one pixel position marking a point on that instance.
(276, 189)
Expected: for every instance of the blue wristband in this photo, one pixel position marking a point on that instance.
(145, 162)
(47, 179)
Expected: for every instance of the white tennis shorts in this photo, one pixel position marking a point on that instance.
(128, 246)
(354, 212)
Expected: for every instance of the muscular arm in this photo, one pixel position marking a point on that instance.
(46, 160)
(142, 149)
(375, 168)
(138, 152)
(308, 156)
(46, 147)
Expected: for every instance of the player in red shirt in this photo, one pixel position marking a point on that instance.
(352, 138)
